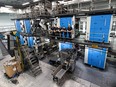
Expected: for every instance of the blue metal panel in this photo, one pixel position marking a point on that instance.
(65, 21)
(96, 57)
(30, 41)
(91, 37)
(100, 24)
(102, 58)
(18, 26)
(21, 40)
(62, 22)
(67, 36)
(65, 45)
(27, 26)
(62, 34)
(89, 56)
(69, 21)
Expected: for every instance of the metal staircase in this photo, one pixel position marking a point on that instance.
(33, 60)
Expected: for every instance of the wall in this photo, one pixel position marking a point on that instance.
(6, 24)
(5, 19)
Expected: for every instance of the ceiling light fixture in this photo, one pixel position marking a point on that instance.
(8, 6)
(36, 0)
(25, 3)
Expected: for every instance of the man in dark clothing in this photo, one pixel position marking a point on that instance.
(69, 31)
(56, 31)
(52, 31)
(63, 31)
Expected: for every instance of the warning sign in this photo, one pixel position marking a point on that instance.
(94, 46)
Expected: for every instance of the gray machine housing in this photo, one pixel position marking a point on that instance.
(68, 62)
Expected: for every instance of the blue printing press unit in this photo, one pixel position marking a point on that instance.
(24, 26)
(99, 32)
(64, 23)
(100, 28)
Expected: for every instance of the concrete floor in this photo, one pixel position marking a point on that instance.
(83, 76)
(42, 80)
(103, 78)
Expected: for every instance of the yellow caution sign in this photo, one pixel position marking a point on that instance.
(94, 46)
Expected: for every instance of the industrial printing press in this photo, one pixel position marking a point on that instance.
(39, 34)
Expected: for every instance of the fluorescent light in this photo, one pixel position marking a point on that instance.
(66, 0)
(8, 6)
(25, 3)
(35, 0)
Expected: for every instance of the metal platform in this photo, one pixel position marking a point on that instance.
(77, 13)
